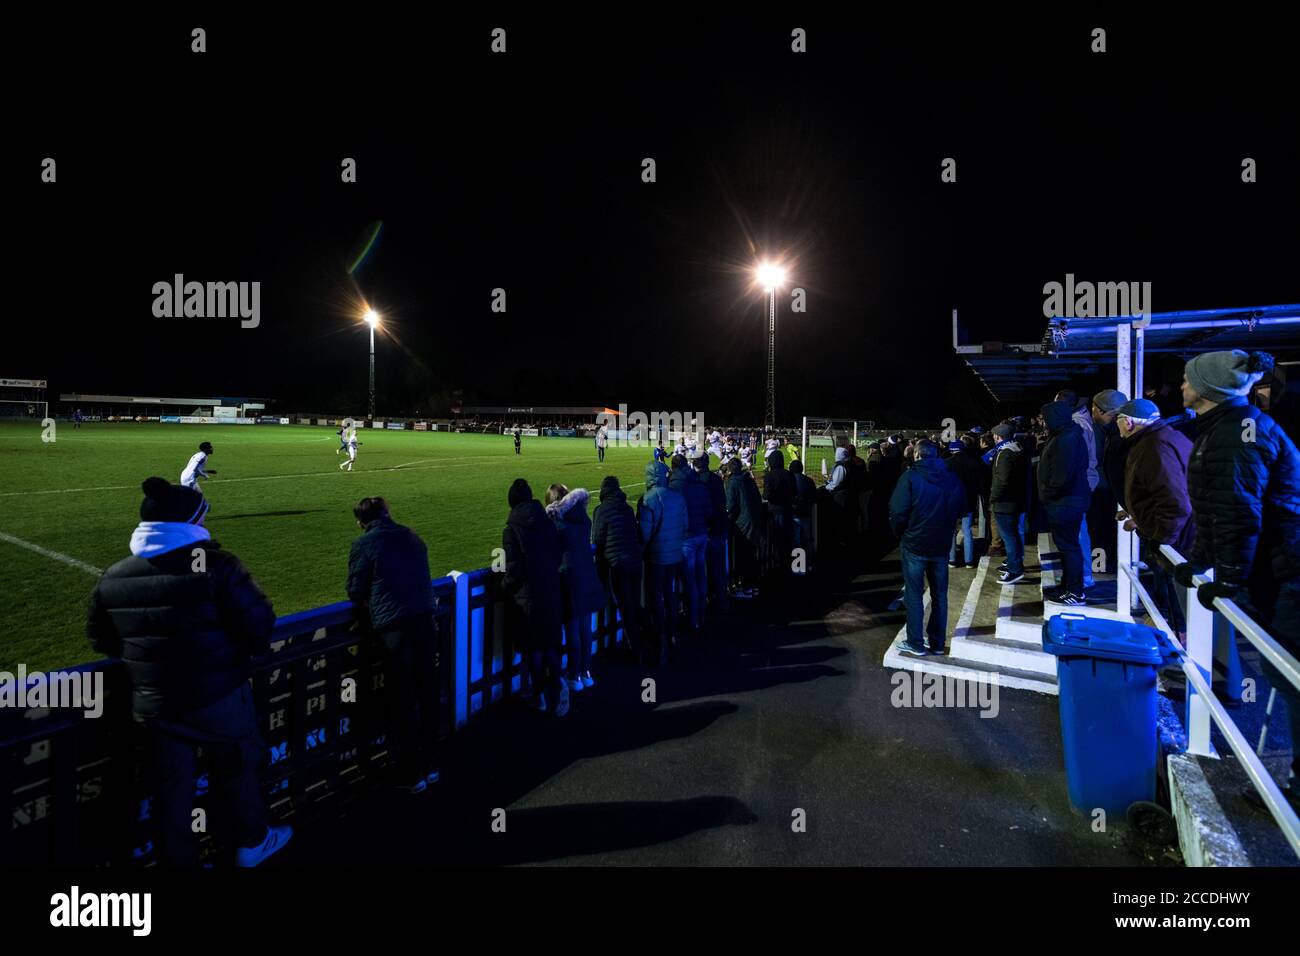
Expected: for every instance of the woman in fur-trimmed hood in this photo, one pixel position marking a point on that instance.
(579, 584)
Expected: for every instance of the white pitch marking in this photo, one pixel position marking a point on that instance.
(53, 555)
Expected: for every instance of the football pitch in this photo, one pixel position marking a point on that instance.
(279, 501)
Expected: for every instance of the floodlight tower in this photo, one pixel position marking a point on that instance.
(770, 277)
(372, 319)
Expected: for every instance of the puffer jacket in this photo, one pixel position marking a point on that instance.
(1245, 496)
(388, 573)
(719, 522)
(661, 513)
(965, 464)
(614, 530)
(745, 507)
(1063, 464)
(1155, 486)
(581, 587)
(927, 503)
(1009, 492)
(186, 637)
(699, 504)
(532, 576)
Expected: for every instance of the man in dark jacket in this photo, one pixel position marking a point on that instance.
(389, 585)
(928, 500)
(778, 490)
(719, 530)
(695, 545)
(882, 474)
(805, 497)
(661, 513)
(749, 518)
(617, 537)
(1008, 499)
(1244, 482)
(965, 464)
(1065, 493)
(532, 583)
(1155, 488)
(186, 618)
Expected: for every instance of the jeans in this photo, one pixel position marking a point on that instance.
(968, 544)
(227, 732)
(1063, 521)
(579, 635)
(695, 577)
(659, 595)
(411, 664)
(1085, 548)
(1008, 527)
(918, 571)
(716, 558)
(625, 583)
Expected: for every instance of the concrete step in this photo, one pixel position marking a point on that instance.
(1013, 655)
(964, 669)
(1102, 596)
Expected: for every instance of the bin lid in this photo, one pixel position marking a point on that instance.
(1074, 635)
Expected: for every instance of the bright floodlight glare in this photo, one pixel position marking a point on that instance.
(770, 276)
(371, 317)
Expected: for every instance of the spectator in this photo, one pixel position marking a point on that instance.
(1111, 446)
(617, 537)
(965, 464)
(187, 631)
(1243, 479)
(745, 509)
(925, 505)
(987, 442)
(1083, 419)
(883, 474)
(1065, 493)
(579, 585)
(695, 545)
(805, 496)
(532, 583)
(1008, 499)
(391, 588)
(719, 529)
(840, 489)
(1155, 493)
(778, 492)
(661, 513)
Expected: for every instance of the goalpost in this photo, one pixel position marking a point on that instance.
(822, 435)
(23, 398)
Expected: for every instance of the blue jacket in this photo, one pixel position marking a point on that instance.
(581, 587)
(661, 512)
(927, 503)
(1063, 462)
(699, 504)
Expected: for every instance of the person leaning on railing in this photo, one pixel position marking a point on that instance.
(1243, 479)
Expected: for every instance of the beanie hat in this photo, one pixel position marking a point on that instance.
(1218, 376)
(1139, 408)
(1109, 399)
(164, 501)
(1003, 431)
(519, 493)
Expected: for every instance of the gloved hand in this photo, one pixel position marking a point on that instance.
(1206, 593)
(1183, 574)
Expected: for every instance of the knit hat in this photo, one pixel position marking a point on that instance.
(519, 493)
(1139, 408)
(164, 501)
(1219, 376)
(1003, 431)
(1109, 399)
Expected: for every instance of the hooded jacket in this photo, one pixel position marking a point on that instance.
(699, 504)
(745, 507)
(581, 587)
(719, 523)
(1083, 418)
(532, 577)
(1063, 463)
(1009, 492)
(1245, 496)
(614, 530)
(926, 504)
(388, 573)
(661, 513)
(778, 485)
(965, 464)
(1155, 486)
(187, 637)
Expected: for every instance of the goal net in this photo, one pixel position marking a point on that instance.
(23, 398)
(822, 435)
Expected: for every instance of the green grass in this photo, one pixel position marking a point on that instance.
(279, 501)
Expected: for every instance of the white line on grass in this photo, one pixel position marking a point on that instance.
(53, 555)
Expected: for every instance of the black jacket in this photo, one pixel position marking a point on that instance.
(388, 574)
(805, 495)
(1112, 451)
(699, 503)
(719, 523)
(1063, 464)
(1245, 496)
(614, 530)
(745, 507)
(926, 505)
(532, 577)
(778, 485)
(186, 637)
(1009, 493)
(965, 464)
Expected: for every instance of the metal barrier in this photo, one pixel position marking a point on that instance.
(1197, 660)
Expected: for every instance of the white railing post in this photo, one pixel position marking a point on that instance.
(1200, 652)
(460, 648)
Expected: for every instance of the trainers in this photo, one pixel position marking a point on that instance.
(1002, 567)
(276, 839)
(417, 786)
(433, 776)
(575, 683)
(1070, 599)
(907, 650)
(1006, 577)
(587, 680)
(938, 652)
(562, 707)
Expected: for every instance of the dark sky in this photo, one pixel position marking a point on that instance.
(522, 171)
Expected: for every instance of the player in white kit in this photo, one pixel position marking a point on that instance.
(195, 469)
(352, 450)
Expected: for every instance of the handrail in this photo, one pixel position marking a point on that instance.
(1259, 776)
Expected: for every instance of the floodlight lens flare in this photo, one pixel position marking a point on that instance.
(371, 317)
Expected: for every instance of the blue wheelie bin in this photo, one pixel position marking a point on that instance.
(1106, 674)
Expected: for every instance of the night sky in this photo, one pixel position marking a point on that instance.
(523, 171)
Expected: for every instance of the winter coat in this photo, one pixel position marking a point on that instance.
(532, 576)
(661, 513)
(1113, 450)
(1063, 464)
(580, 586)
(388, 574)
(927, 503)
(778, 485)
(1083, 418)
(1245, 496)
(745, 507)
(965, 464)
(699, 503)
(187, 637)
(614, 530)
(1009, 492)
(1155, 486)
(805, 495)
(719, 523)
